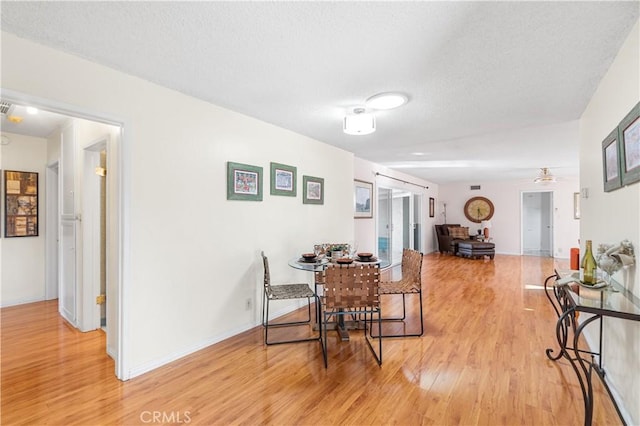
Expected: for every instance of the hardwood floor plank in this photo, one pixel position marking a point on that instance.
(481, 361)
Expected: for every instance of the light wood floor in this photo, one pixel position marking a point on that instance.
(481, 361)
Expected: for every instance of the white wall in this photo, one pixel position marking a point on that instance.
(613, 216)
(193, 256)
(22, 258)
(365, 229)
(506, 222)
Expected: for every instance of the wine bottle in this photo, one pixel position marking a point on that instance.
(589, 266)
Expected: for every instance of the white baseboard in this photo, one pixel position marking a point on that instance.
(4, 304)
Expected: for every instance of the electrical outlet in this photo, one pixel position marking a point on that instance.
(247, 304)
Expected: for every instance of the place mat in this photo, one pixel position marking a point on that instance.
(367, 260)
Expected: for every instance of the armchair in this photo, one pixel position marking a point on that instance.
(448, 242)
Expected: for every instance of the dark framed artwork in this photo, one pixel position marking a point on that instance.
(283, 180)
(611, 176)
(629, 135)
(21, 204)
(432, 207)
(313, 188)
(244, 182)
(362, 199)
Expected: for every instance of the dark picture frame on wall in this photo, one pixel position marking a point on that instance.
(283, 180)
(244, 182)
(629, 136)
(362, 199)
(432, 207)
(611, 162)
(21, 204)
(313, 190)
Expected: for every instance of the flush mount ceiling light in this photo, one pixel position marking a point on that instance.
(387, 100)
(359, 122)
(545, 176)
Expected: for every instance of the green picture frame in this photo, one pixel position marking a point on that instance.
(244, 182)
(313, 190)
(629, 137)
(283, 180)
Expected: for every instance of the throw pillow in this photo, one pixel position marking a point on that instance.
(459, 232)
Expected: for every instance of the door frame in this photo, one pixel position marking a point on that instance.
(121, 196)
(52, 230)
(91, 235)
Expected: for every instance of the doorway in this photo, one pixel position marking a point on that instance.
(399, 213)
(79, 139)
(537, 223)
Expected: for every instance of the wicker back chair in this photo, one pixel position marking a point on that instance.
(285, 292)
(410, 283)
(351, 290)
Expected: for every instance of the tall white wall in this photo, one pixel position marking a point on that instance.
(22, 258)
(609, 217)
(506, 222)
(193, 256)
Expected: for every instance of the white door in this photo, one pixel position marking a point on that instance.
(67, 302)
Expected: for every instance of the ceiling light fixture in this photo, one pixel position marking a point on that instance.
(387, 100)
(32, 110)
(545, 176)
(359, 122)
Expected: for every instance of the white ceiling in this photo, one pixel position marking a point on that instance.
(490, 84)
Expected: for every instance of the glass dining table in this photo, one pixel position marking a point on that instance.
(318, 265)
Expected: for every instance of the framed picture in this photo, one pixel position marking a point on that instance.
(611, 162)
(313, 188)
(244, 182)
(432, 207)
(576, 205)
(629, 135)
(21, 204)
(283, 180)
(362, 199)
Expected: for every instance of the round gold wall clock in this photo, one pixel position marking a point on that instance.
(478, 209)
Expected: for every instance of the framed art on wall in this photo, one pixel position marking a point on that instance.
(283, 180)
(21, 204)
(432, 207)
(362, 199)
(629, 135)
(313, 190)
(244, 182)
(611, 162)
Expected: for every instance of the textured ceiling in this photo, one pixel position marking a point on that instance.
(489, 83)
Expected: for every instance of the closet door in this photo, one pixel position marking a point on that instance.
(67, 301)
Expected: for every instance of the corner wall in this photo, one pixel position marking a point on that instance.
(609, 217)
(22, 258)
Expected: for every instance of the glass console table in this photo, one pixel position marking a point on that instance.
(568, 298)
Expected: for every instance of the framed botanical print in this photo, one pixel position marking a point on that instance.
(362, 198)
(244, 182)
(313, 190)
(283, 180)
(21, 204)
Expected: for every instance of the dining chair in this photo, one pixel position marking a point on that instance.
(285, 292)
(351, 289)
(410, 283)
